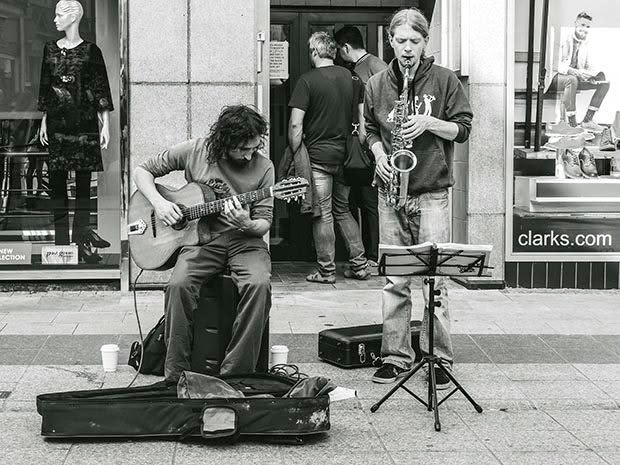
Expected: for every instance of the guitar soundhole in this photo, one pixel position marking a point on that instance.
(180, 225)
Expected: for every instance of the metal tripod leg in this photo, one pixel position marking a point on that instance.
(432, 393)
(460, 388)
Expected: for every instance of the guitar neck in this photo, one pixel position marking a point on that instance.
(198, 211)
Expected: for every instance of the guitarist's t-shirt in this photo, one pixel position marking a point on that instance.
(191, 157)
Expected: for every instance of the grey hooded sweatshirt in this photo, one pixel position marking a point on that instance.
(438, 93)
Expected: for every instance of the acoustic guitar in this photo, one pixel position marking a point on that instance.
(155, 246)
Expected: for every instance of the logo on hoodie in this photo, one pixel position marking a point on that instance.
(415, 107)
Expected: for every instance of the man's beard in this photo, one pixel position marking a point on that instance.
(240, 163)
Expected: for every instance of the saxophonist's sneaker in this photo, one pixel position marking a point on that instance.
(588, 164)
(570, 160)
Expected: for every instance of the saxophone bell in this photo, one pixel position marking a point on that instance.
(404, 160)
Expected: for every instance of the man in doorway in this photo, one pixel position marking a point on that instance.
(321, 116)
(228, 160)
(439, 115)
(575, 72)
(351, 47)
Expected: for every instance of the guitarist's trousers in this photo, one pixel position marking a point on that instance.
(250, 267)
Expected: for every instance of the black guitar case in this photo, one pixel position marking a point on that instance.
(155, 410)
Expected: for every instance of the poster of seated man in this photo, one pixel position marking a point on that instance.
(574, 68)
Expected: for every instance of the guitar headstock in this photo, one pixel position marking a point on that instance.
(289, 189)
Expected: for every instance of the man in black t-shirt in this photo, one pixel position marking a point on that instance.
(321, 116)
(351, 46)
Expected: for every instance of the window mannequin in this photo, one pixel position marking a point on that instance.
(74, 97)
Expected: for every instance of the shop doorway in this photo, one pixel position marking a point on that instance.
(291, 233)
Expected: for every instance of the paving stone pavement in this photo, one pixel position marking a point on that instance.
(545, 366)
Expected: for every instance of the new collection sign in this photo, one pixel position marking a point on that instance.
(15, 254)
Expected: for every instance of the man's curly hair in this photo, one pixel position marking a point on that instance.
(236, 125)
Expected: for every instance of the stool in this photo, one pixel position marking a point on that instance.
(213, 322)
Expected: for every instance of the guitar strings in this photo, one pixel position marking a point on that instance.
(196, 211)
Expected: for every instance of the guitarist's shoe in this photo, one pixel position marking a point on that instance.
(317, 277)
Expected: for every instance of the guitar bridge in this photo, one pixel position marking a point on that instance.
(136, 228)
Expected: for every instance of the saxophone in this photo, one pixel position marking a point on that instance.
(401, 159)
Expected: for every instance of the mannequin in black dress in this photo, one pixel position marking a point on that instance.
(74, 97)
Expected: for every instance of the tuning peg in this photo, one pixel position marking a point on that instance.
(437, 304)
(437, 292)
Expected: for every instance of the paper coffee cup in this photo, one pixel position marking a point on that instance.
(279, 355)
(109, 357)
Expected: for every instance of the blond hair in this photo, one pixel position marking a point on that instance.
(411, 17)
(72, 7)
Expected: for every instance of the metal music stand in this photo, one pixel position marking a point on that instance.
(431, 260)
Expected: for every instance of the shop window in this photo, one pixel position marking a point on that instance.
(565, 202)
(29, 235)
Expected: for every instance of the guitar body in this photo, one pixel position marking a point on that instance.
(153, 245)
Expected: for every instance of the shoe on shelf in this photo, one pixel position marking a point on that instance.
(616, 126)
(372, 263)
(388, 373)
(591, 126)
(570, 161)
(562, 129)
(317, 277)
(614, 169)
(361, 275)
(608, 140)
(567, 143)
(587, 162)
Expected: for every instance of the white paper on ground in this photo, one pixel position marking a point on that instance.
(341, 393)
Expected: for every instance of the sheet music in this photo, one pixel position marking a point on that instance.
(454, 259)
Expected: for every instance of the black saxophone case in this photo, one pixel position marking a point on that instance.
(155, 410)
(359, 346)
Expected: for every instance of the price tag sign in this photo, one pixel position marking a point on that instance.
(59, 255)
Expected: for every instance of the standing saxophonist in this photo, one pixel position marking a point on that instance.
(436, 114)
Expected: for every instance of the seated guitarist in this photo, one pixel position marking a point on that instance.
(228, 159)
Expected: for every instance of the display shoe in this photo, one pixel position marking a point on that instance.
(570, 161)
(88, 255)
(559, 164)
(607, 140)
(614, 168)
(587, 163)
(567, 143)
(591, 126)
(616, 126)
(562, 129)
(96, 240)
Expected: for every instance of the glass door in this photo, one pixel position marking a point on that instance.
(291, 233)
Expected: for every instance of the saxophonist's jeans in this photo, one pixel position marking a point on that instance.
(424, 217)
